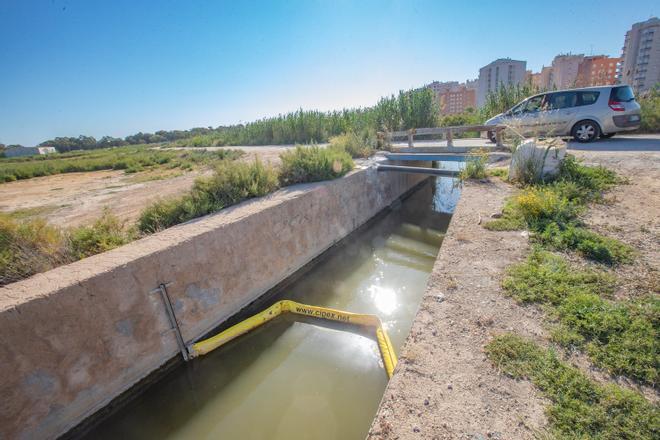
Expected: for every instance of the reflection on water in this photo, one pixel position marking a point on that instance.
(293, 378)
(447, 191)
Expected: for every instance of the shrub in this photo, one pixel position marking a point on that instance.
(231, 183)
(311, 164)
(650, 109)
(29, 247)
(106, 233)
(579, 408)
(353, 144)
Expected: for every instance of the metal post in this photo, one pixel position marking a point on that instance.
(410, 138)
(498, 138)
(450, 138)
(162, 288)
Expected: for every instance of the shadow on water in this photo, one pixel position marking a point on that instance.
(298, 378)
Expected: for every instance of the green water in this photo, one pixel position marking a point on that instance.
(293, 379)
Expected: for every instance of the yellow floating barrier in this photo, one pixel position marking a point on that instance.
(284, 306)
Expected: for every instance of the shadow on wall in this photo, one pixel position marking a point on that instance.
(623, 143)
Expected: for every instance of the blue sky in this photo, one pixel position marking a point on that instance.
(118, 67)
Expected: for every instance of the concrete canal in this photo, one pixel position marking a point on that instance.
(298, 379)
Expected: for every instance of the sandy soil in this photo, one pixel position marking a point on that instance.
(77, 198)
(444, 386)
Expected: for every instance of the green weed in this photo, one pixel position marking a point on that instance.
(552, 212)
(475, 166)
(579, 408)
(621, 337)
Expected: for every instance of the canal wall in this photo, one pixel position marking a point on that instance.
(75, 337)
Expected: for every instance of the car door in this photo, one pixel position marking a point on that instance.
(530, 118)
(562, 111)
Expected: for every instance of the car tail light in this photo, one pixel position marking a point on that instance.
(616, 106)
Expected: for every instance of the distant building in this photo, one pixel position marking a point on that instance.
(544, 79)
(640, 65)
(457, 99)
(441, 87)
(598, 70)
(28, 151)
(503, 71)
(565, 70)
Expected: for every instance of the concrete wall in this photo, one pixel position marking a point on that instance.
(73, 338)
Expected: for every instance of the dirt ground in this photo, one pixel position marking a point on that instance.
(444, 386)
(78, 198)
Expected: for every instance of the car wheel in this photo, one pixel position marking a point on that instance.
(491, 136)
(607, 136)
(585, 131)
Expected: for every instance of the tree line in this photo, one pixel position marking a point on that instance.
(408, 109)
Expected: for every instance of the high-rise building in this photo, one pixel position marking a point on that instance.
(640, 65)
(565, 70)
(598, 70)
(503, 71)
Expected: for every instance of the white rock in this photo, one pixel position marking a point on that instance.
(541, 160)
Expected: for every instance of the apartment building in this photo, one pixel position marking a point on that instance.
(441, 87)
(503, 71)
(457, 99)
(565, 70)
(640, 65)
(598, 70)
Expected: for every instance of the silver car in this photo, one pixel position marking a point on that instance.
(586, 114)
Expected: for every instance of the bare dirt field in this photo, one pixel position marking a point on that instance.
(73, 199)
(444, 386)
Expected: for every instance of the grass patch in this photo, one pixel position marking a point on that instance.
(312, 164)
(231, 183)
(552, 212)
(621, 337)
(580, 408)
(354, 145)
(501, 172)
(131, 159)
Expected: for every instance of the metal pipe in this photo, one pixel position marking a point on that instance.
(418, 170)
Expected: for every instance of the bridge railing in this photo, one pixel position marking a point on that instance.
(446, 132)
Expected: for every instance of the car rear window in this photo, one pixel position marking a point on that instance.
(622, 94)
(587, 98)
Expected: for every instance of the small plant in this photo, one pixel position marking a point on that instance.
(475, 166)
(579, 407)
(312, 164)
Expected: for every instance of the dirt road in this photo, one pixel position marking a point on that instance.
(77, 198)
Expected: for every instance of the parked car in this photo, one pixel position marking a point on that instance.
(586, 114)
